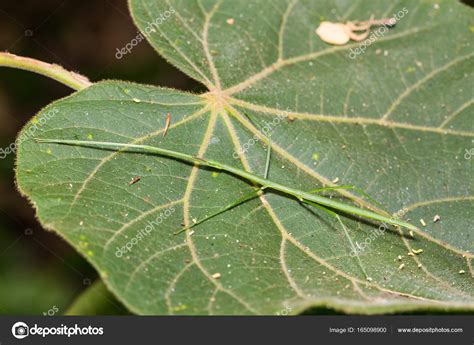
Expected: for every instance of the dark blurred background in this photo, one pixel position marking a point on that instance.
(39, 272)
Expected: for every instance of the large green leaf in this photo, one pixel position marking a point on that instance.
(396, 122)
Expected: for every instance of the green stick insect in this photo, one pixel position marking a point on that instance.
(309, 198)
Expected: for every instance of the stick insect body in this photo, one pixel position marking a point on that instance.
(302, 196)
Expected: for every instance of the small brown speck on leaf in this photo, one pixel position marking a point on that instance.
(134, 180)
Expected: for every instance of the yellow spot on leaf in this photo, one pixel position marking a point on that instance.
(180, 307)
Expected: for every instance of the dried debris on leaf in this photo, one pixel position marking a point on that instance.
(167, 125)
(134, 180)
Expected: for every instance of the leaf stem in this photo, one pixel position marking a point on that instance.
(73, 80)
(300, 195)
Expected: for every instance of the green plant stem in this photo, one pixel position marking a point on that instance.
(53, 71)
(300, 195)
